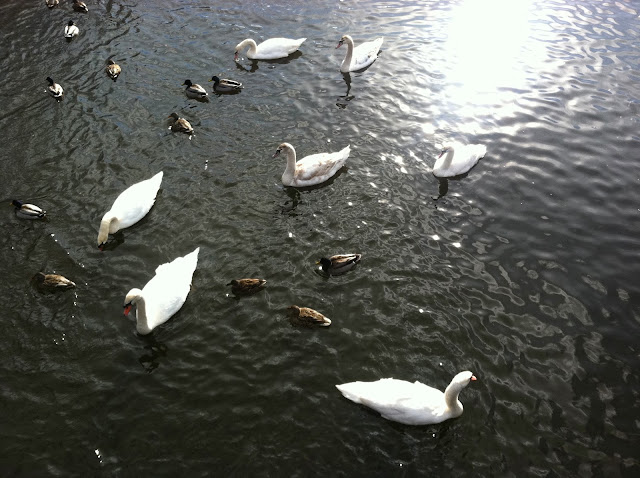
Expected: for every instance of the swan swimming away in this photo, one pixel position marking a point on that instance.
(361, 56)
(129, 207)
(409, 403)
(310, 170)
(164, 294)
(457, 159)
(270, 49)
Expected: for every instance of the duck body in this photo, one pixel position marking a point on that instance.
(164, 294)
(361, 56)
(246, 286)
(129, 207)
(180, 125)
(71, 30)
(457, 159)
(193, 90)
(28, 211)
(306, 317)
(409, 403)
(225, 85)
(51, 3)
(339, 264)
(53, 281)
(55, 89)
(113, 70)
(79, 6)
(310, 170)
(270, 49)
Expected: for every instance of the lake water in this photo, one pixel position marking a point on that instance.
(524, 271)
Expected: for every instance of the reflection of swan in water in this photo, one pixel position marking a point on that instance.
(343, 100)
(150, 361)
(255, 64)
(443, 187)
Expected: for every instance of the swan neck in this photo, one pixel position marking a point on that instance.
(448, 158)
(253, 46)
(105, 227)
(290, 170)
(346, 63)
(451, 398)
(141, 315)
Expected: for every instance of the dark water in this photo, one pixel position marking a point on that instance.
(525, 271)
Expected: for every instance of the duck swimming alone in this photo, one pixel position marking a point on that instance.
(180, 125)
(71, 30)
(79, 6)
(55, 89)
(51, 3)
(53, 281)
(113, 70)
(193, 90)
(246, 286)
(270, 49)
(339, 264)
(310, 170)
(28, 211)
(409, 403)
(225, 85)
(307, 317)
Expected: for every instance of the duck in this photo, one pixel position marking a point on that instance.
(310, 170)
(113, 70)
(307, 317)
(129, 207)
(246, 286)
(55, 89)
(71, 30)
(339, 264)
(225, 85)
(28, 211)
(164, 294)
(180, 125)
(194, 91)
(409, 403)
(457, 159)
(270, 49)
(361, 56)
(79, 6)
(52, 3)
(53, 281)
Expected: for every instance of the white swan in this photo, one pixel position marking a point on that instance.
(164, 294)
(71, 30)
(129, 207)
(270, 49)
(311, 170)
(361, 56)
(409, 403)
(458, 159)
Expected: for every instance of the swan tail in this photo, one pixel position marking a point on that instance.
(350, 391)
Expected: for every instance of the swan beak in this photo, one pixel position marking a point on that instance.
(276, 153)
(473, 378)
(339, 44)
(101, 247)
(127, 309)
(441, 153)
(235, 56)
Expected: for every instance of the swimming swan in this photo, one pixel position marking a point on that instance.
(361, 56)
(457, 159)
(270, 49)
(409, 403)
(311, 170)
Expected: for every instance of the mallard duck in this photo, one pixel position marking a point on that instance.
(307, 317)
(457, 159)
(409, 403)
(53, 281)
(246, 286)
(164, 294)
(339, 264)
(71, 30)
(270, 49)
(361, 56)
(79, 6)
(55, 89)
(310, 170)
(129, 207)
(51, 3)
(180, 125)
(28, 211)
(194, 91)
(113, 70)
(225, 86)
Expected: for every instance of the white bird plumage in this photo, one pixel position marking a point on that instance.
(164, 294)
(270, 49)
(409, 403)
(457, 159)
(71, 30)
(129, 207)
(310, 170)
(360, 56)
(55, 89)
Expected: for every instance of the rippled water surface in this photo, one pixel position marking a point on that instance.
(524, 271)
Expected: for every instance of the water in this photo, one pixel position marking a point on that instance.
(524, 271)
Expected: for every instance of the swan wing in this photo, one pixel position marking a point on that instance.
(366, 53)
(135, 202)
(321, 165)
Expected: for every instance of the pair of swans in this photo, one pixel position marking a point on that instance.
(167, 291)
(356, 58)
